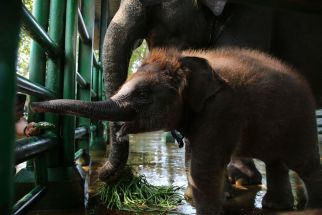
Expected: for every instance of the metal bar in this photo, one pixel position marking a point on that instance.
(85, 62)
(82, 82)
(10, 25)
(37, 74)
(79, 153)
(312, 6)
(80, 132)
(38, 33)
(69, 80)
(95, 62)
(83, 33)
(95, 82)
(34, 89)
(37, 65)
(93, 94)
(28, 199)
(28, 148)
(55, 71)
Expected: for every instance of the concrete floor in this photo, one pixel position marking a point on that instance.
(163, 164)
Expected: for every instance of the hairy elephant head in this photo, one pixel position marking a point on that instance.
(153, 98)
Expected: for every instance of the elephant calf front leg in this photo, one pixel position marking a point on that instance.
(207, 177)
(207, 183)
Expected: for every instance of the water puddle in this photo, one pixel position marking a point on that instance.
(163, 164)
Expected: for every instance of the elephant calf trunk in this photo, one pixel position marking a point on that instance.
(107, 110)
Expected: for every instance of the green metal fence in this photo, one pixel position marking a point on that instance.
(61, 66)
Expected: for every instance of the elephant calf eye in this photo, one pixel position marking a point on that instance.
(143, 94)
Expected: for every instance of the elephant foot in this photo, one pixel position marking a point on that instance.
(243, 172)
(108, 173)
(278, 202)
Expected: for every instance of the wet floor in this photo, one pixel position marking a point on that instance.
(163, 164)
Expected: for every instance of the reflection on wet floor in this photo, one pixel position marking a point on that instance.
(163, 164)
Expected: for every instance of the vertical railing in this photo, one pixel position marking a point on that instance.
(69, 79)
(55, 67)
(9, 16)
(53, 74)
(85, 60)
(37, 74)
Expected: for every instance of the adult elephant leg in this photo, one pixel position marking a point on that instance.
(117, 156)
(126, 27)
(279, 194)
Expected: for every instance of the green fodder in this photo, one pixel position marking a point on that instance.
(134, 194)
(45, 125)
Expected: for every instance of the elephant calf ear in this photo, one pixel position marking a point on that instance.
(203, 82)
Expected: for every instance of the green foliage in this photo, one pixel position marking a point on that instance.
(45, 125)
(134, 194)
(137, 57)
(24, 48)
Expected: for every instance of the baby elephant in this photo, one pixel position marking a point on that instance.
(228, 103)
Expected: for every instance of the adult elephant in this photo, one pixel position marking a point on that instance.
(293, 36)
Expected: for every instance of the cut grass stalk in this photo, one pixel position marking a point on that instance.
(134, 194)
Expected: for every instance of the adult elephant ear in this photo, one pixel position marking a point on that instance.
(216, 6)
(202, 82)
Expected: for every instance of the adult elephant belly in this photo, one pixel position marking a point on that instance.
(298, 41)
(294, 37)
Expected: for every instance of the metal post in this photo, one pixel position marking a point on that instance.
(37, 74)
(69, 79)
(8, 53)
(54, 66)
(85, 61)
(103, 26)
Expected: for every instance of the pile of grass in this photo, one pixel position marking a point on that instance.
(134, 194)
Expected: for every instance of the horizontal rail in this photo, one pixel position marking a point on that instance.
(80, 132)
(314, 6)
(81, 81)
(39, 34)
(83, 33)
(28, 148)
(34, 89)
(28, 199)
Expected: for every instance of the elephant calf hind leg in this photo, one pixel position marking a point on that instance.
(279, 193)
(311, 175)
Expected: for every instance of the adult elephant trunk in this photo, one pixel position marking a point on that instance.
(125, 30)
(108, 110)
